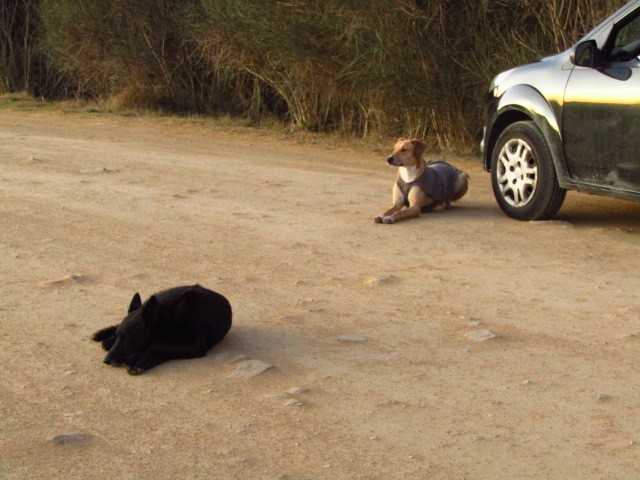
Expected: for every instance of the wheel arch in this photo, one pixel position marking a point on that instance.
(502, 121)
(524, 103)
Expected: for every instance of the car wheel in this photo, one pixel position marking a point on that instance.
(523, 175)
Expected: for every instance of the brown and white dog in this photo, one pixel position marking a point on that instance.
(421, 186)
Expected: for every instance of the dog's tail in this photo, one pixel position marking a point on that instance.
(105, 333)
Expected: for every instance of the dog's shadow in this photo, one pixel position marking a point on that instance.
(257, 340)
(265, 342)
(467, 210)
(473, 210)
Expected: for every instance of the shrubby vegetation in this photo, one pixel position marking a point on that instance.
(359, 67)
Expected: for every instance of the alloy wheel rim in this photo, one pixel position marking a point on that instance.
(517, 173)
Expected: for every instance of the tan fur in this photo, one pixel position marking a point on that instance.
(408, 157)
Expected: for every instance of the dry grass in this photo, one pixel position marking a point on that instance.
(361, 69)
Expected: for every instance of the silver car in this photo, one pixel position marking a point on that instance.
(568, 122)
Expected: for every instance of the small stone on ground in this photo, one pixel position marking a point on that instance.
(250, 368)
(351, 338)
(71, 439)
(481, 335)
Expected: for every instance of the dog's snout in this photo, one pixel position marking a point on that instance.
(106, 360)
(390, 160)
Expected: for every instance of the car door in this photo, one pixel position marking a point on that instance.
(601, 113)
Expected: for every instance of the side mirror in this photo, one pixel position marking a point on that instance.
(585, 53)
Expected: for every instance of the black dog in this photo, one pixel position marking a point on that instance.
(182, 322)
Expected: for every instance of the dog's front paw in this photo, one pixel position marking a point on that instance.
(385, 219)
(135, 370)
(108, 343)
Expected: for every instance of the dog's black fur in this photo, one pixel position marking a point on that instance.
(182, 322)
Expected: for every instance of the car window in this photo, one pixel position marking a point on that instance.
(626, 45)
(629, 33)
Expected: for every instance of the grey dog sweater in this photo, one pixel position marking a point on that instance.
(437, 181)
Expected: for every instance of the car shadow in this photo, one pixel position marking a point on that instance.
(583, 210)
(579, 209)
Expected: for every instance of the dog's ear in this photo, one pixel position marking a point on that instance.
(135, 303)
(149, 311)
(418, 148)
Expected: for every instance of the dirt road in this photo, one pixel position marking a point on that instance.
(94, 208)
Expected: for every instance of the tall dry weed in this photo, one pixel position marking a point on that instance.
(393, 67)
(17, 44)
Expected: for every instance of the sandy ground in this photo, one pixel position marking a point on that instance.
(94, 208)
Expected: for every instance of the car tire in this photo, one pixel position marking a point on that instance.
(523, 175)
